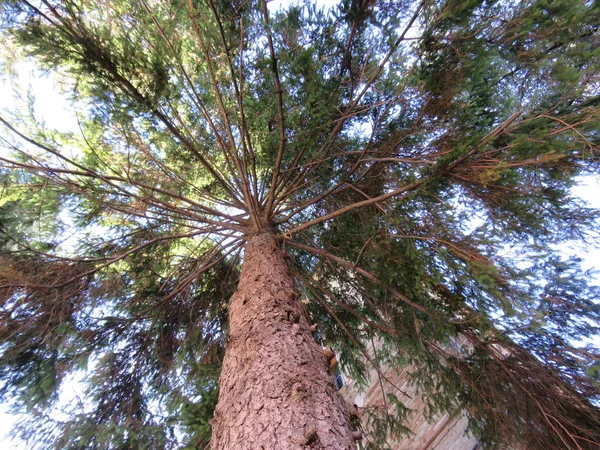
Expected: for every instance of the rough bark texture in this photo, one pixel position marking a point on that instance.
(275, 391)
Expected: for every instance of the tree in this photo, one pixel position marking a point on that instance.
(387, 170)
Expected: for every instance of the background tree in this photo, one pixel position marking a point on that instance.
(393, 153)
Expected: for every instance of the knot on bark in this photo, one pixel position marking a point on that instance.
(310, 438)
(299, 391)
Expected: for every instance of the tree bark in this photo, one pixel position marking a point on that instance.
(275, 389)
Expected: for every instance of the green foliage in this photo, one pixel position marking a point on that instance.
(415, 160)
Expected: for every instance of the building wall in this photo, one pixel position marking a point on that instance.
(442, 433)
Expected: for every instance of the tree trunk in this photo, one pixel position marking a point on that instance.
(275, 390)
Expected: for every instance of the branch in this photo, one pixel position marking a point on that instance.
(364, 273)
(246, 138)
(348, 111)
(113, 75)
(243, 174)
(84, 171)
(282, 137)
(356, 205)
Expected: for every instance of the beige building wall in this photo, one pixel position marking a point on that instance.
(442, 433)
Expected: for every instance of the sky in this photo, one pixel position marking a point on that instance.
(53, 108)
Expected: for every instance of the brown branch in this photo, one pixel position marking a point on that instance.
(364, 273)
(251, 202)
(117, 258)
(356, 205)
(195, 97)
(246, 138)
(282, 136)
(349, 110)
(51, 175)
(206, 266)
(107, 178)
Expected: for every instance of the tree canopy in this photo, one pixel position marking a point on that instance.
(415, 159)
